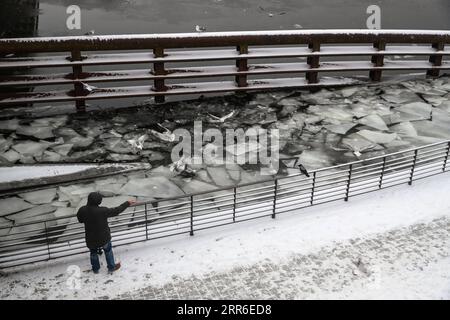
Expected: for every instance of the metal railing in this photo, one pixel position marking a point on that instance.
(163, 62)
(56, 238)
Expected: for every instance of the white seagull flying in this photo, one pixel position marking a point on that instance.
(215, 119)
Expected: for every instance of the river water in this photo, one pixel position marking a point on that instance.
(161, 16)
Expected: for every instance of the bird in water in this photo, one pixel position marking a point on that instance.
(200, 28)
(167, 136)
(139, 142)
(182, 168)
(215, 119)
(88, 88)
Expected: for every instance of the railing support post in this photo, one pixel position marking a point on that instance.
(313, 62)
(274, 208)
(413, 168)
(234, 204)
(378, 61)
(192, 216)
(146, 222)
(444, 167)
(350, 168)
(313, 188)
(47, 240)
(435, 60)
(158, 70)
(78, 86)
(382, 173)
(241, 65)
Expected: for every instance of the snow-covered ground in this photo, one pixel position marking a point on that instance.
(19, 173)
(390, 244)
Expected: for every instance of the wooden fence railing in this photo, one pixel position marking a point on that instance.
(162, 60)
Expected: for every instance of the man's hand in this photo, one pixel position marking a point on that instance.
(132, 202)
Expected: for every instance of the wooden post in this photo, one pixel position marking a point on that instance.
(241, 65)
(313, 76)
(435, 60)
(378, 61)
(78, 86)
(158, 70)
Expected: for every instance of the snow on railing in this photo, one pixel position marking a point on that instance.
(77, 54)
(56, 238)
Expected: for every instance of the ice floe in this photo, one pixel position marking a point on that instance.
(39, 197)
(157, 187)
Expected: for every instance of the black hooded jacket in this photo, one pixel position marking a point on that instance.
(95, 220)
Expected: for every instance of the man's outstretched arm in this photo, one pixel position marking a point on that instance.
(112, 212)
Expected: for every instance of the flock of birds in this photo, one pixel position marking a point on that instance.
(181, 166)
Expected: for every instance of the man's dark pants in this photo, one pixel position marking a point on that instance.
(107, 248)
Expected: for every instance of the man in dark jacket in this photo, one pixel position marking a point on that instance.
(98, 235)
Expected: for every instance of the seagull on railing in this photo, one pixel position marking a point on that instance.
(90, 33)
(303, 169)
(215, 119)
(200, 28)
(165, 136)
(88, 88)
(138, 143)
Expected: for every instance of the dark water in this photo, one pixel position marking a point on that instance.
(48, 17)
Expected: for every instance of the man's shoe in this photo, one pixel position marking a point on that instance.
(95, 271)
(116, 267)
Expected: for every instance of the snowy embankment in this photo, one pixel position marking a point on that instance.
(412, 248)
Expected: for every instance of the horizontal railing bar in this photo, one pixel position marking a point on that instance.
(289, 197)
(208, 39)
(176, 89)
(340, 174)
(389, 180)
(431, 158)
(286, 203)
(211, 71)
(217, 203)
(442, 149)
(231, 222)
(298, 183)
(375, 173)
(434, 166)
(430, 175)
(289, 191)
